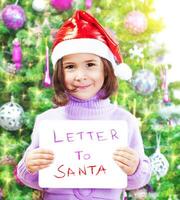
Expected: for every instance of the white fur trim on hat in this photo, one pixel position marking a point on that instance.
(82, 45)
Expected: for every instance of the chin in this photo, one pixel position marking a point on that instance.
(84, 96)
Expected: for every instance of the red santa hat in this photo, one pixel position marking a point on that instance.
(82, 33)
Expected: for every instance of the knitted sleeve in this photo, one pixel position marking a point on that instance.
(29, 179)
(143, 173)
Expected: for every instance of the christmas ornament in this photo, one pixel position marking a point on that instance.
(144, 82)
(158, 161)
(39, 5)
(135, 22)
(136, 52)
(61, 5)
(11, 116)
(139, 194)
(17, 54)
(164, 85)
(123, 71)
(47, 79)
(13, 16)
(88, 4)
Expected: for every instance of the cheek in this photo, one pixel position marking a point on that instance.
(67, 79)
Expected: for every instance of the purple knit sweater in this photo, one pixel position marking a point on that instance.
(92, 109)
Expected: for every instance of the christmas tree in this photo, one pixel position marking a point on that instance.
(27, 29)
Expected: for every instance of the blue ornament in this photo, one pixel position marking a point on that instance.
(144, 82)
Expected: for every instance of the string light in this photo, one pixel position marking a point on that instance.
(8, 179)
(147, 112)
(174, 158)
(23, 96)
(37, 92)
(41, 57)
(30, 64)
(8, 83)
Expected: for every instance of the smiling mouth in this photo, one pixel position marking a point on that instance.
(82, 87)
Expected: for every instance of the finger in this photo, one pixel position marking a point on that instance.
(127, 150)
(42, 156)
(37, 168)
(123, 154)
(39, 162)
(43, 151)
(122, 160)
(125, 168)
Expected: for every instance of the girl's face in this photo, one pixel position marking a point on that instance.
(83, 74)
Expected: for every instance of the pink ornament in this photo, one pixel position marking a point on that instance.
(47, 79)
(61, 5)
(164, 86)
(13, 16)
(17, 54)
(135, 22)
(88, 4)
(166, 99)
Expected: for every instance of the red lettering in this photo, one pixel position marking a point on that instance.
(101, 169)
(92, 167)
(70, 172)
(82, 171)
(63, 174)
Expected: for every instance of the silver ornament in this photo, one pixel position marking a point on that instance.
(144, 82)
(159, 164)
(11, 116)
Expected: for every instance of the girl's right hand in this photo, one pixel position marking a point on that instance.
(38, 159)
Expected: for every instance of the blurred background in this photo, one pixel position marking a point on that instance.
(149, 85)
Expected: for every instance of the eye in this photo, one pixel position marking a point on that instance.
(90, 64)
(69, 67)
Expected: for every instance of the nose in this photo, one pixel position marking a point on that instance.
(80, 75)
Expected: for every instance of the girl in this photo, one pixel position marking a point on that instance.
(84, 57)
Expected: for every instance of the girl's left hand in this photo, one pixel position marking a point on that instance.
(127, 159)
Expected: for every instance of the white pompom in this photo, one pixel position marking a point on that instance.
(123, 71)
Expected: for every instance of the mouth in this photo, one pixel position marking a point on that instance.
(82, 87)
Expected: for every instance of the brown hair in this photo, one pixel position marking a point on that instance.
(60, 98)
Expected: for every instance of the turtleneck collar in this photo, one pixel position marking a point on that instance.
(93, 108)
